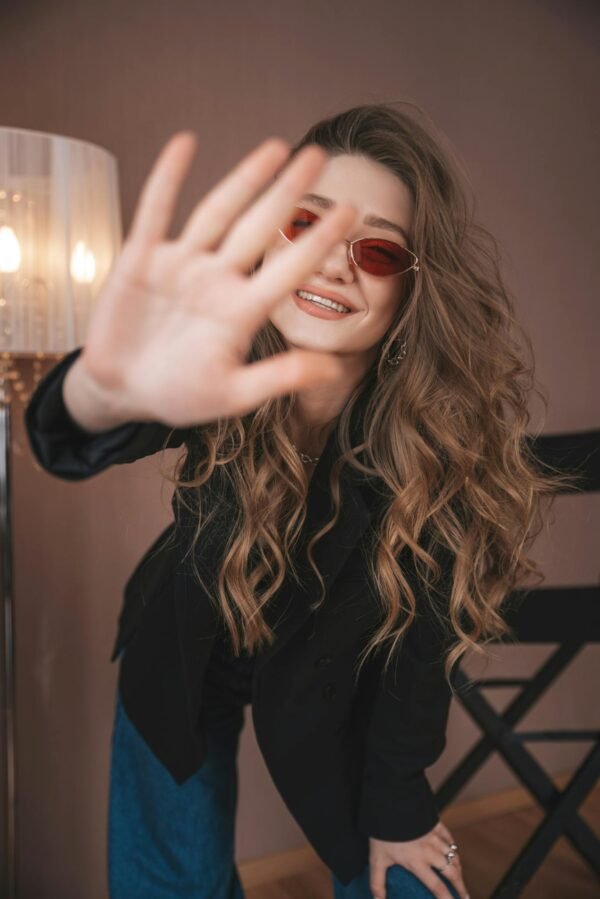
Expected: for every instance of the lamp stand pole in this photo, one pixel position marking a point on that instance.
(7, 674)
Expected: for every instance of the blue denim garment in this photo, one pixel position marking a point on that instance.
(400, 884)
(170, 841)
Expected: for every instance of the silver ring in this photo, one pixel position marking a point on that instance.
(454, 847)
(450, 856)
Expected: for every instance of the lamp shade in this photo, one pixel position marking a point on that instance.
(60, 231)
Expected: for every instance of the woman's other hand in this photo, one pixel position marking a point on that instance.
(419, 857)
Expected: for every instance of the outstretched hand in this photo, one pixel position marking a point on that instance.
(173, 324)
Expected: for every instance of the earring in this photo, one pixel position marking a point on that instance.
(395, 360)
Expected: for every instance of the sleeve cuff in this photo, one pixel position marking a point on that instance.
(385, 816)
(405, 736)
(59, 445)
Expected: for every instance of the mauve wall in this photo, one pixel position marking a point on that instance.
(512, 85)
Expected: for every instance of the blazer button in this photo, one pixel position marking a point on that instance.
(329, 691)
(323, 661)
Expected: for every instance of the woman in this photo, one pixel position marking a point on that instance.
(332, 343)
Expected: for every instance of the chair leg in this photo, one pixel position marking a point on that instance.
(551, 828)
(515, 711)
(530, 772)
(498, 735)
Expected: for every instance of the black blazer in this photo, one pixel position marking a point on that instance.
(348, 760)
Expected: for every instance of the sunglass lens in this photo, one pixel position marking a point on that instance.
(302, 220)
(381, 257)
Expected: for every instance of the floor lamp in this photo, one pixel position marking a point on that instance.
(60, 230)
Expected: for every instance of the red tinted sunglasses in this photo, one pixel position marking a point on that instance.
(371, 254)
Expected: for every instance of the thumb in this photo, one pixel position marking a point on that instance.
(377, 880)
(293, 370)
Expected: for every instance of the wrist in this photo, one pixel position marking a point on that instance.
(92, 407)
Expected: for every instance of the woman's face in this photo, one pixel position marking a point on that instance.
(376, 193)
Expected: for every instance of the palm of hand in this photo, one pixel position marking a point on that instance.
(175, 321)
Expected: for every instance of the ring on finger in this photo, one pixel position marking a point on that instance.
(450, 855)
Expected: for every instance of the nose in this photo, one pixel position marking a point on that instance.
(337, 265)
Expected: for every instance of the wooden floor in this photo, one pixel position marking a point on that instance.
(487, 849)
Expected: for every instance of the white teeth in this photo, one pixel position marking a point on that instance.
(322, 301)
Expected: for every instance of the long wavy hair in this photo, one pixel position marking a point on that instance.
(444, 432)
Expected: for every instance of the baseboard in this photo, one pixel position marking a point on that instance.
(268, 868)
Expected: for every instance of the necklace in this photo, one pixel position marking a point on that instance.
(304, 456)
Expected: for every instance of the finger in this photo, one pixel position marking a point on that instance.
(288, 268)
(452, 871)
(281, 374)
(442, 865)
(432, 881)
(443, 831)
(216, 212)
(454, 875)
(442, 845)
(247, 240)
(377, 880)
(157, 200)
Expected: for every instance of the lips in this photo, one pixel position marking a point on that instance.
(329, 295)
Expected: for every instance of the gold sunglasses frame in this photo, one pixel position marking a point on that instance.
(350, 252)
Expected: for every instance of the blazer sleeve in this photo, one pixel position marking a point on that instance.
(407, 729)
(65, 450)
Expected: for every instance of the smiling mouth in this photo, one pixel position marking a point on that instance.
(323, 302)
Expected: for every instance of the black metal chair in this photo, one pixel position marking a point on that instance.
(538, 616)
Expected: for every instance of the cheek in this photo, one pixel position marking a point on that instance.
(384, 304)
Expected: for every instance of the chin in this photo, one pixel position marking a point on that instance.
(302, 341)
(298, 331)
